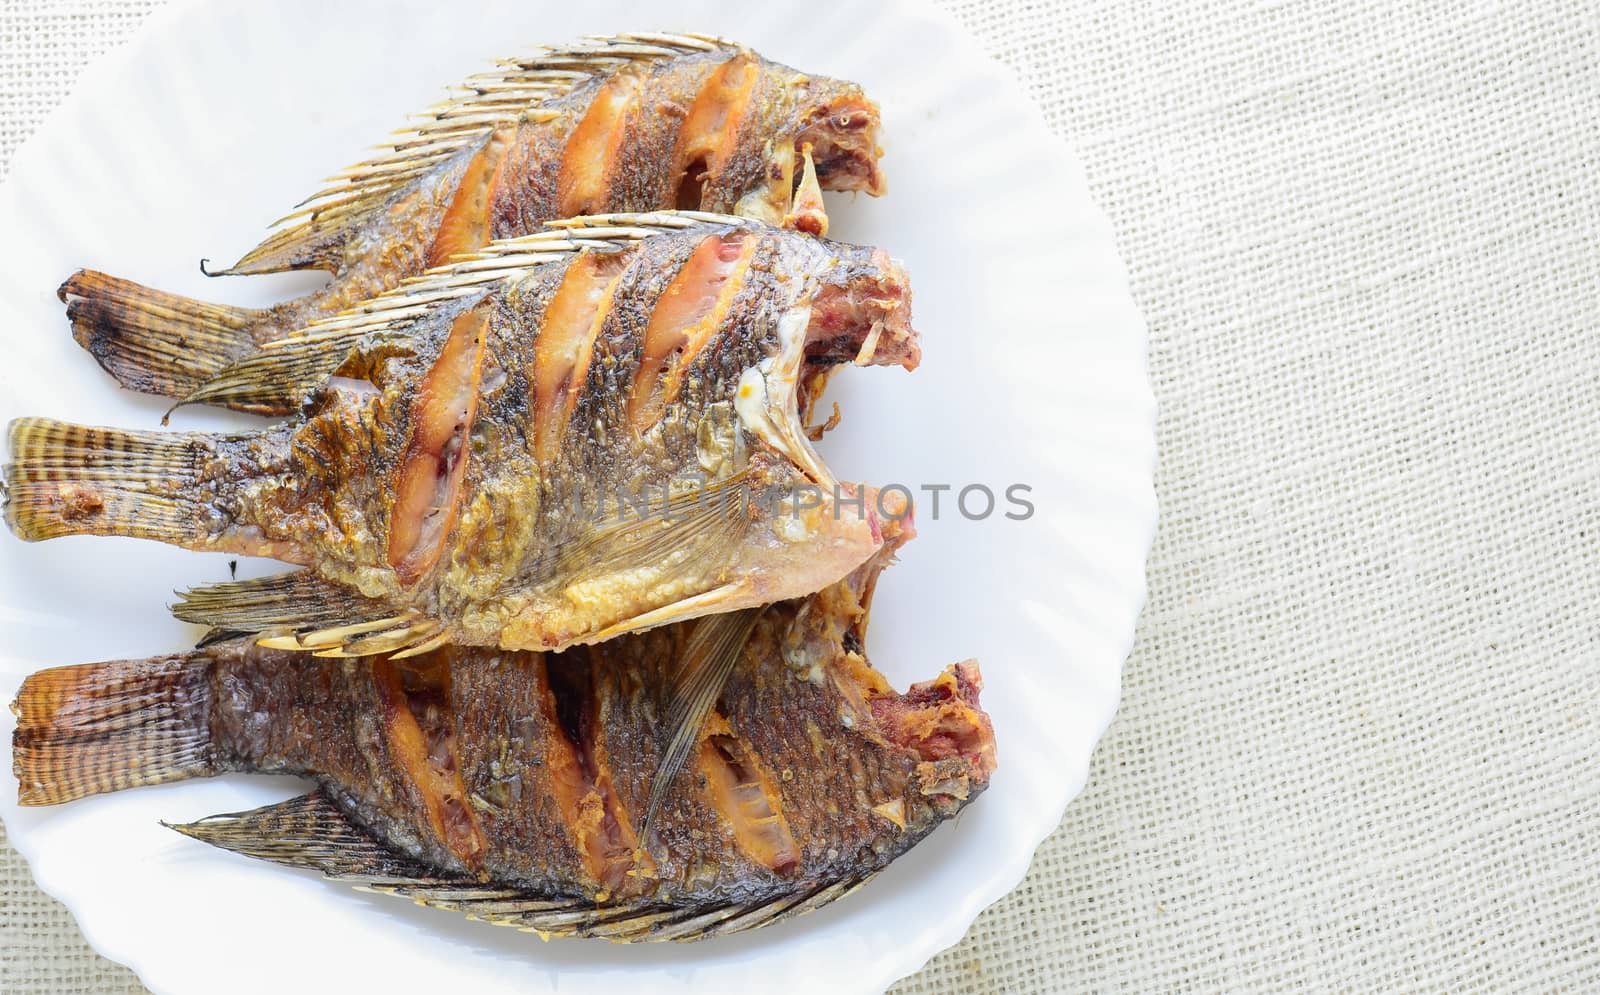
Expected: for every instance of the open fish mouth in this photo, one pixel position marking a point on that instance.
(939, 721)
(860, 315)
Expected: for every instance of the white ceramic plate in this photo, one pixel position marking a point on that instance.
(219, 116)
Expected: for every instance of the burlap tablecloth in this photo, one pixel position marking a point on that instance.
(1359, 746)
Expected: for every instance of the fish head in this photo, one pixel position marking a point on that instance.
(939, 725)
(811, 133)
(939, 728)
(937, 742)
(946, 739)
(841, 127)
(861, 313)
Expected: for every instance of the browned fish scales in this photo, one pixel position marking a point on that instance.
(629, 123)
(510, 786)
(569, 436)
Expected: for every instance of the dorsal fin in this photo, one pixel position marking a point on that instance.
(510, 259)
(515, 88)
(275, 379)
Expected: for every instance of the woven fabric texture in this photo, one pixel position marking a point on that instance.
(1359, 747)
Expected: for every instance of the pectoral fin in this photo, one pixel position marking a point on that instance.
(713, 650)
(654, 534)
(806, 212)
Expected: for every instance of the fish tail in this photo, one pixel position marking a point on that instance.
(68, 479)
(99, 727)
(152, 341)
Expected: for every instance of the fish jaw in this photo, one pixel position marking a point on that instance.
(941, 724)
(860, 314)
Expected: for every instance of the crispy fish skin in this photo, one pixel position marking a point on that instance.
(625, 124)
(448, 471)
(509, 785)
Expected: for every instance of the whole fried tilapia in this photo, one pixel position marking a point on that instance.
(624, 124)
(572, 435)
(510, 785)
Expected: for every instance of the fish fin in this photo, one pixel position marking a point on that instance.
(807, 212)
(152, 341)
(277, 378)
(284, 610)
(66, 479)
(640, 921)
(701, 923)
(214, 637)
(709, 656)
(313, 235)
(708, 602)
(469, 276)
(399, 638)
(274, 379)
(651, 535)
(310, 831)
(100, 727)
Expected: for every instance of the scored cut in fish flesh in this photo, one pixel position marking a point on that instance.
(630, 123)
(510, 785)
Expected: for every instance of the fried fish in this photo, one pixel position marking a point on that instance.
(630, 123)
(510, 785)
(569, 436)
